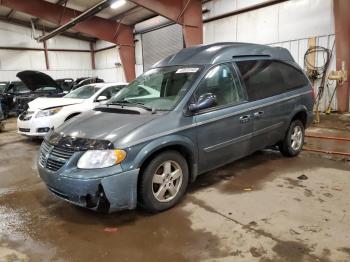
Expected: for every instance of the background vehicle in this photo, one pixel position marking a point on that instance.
(66, 84)
(39, 85)
(45, 114)
(85, 81)
(205, 114)
(11, 97)
(2, 117)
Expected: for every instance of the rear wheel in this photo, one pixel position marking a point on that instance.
(294, 139)
(164, 181)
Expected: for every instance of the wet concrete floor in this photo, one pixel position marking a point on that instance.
(255, 209)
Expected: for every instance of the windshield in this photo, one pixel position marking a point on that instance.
(83, 92)
(158, 89)
(47, 89)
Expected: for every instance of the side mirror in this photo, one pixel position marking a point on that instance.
(101, 98)
(205, 101)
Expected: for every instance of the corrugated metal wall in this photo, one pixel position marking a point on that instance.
(161, 43)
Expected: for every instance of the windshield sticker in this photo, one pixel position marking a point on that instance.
(187, 70)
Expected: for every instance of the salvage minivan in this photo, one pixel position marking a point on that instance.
(209, 105)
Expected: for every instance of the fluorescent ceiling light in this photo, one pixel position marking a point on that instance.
(118, 4)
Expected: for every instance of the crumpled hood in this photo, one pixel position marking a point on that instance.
(104, 125)
(47, 102)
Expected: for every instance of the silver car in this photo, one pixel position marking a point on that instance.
(192, 112)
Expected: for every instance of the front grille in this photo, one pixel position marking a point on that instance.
(24, 130)
(53, 157)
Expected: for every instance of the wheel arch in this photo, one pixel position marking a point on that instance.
(180, 144)
(300, 114)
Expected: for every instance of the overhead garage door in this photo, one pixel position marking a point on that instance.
(160, 43)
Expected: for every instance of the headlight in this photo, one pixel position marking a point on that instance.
(48, 112)
(92, 159)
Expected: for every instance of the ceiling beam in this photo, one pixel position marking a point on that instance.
(27, 24)
(79, 19)
(98, 27)
(187, 13)
(104, 29)
(9, 14)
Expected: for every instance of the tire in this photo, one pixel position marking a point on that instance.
(155, 192)
(289, 147)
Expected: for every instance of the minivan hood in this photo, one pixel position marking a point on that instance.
(105, 125)
(35, 80)
(47, 102)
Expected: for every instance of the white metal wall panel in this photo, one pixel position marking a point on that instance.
(305, 18)
(160, 43)
(244, 3)
(292, 20)
(107, 58)
(259, 26)
(21, 60)
(218, 7)
(106, 67)
(223, 30)
(62, 64)
(102, 44)
(69, 60)
(17, 36)
(111, 74)
(62, 42)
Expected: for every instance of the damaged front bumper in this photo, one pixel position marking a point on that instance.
(107, 193)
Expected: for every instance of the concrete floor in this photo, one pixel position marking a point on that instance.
(252, 210)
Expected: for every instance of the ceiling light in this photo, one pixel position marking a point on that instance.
(118, 4)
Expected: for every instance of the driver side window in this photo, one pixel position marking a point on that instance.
(222, 82)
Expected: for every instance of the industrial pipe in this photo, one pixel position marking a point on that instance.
(83, 16)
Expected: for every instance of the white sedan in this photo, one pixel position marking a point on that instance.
(44, 114)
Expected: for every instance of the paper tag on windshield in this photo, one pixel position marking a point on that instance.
(187, 70)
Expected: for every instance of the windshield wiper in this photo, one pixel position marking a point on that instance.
(128, 103)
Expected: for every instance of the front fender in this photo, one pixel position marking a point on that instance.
(143, 153)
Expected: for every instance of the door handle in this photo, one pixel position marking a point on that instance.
(258, 114)
(244, 119)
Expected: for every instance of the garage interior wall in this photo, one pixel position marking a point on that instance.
(62, 64)
(107, 62)
(289, 24)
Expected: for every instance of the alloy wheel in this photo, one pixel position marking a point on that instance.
(167, 180)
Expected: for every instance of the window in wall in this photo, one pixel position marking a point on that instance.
(223, 83)
(265, 78)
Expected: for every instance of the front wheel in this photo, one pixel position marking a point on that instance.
(293, 142)
(163, 182)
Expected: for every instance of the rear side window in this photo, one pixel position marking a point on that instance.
(265, 78)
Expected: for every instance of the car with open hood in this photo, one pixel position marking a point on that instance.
(46, 113)
(211, 105)
(39, 85)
